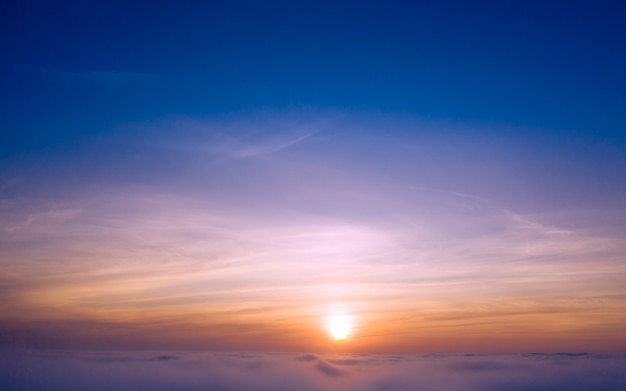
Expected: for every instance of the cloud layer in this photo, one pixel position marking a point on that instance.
(71, 370)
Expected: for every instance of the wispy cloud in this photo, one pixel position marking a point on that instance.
(227, 226)
(106, 76)
(273, 146)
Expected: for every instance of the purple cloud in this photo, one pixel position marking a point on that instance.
(77, 370)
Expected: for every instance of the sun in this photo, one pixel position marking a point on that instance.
(339, 328)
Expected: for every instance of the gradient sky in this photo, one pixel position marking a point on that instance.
(450, 176)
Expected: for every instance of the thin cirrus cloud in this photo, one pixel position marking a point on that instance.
(228, 233)
(107, 77)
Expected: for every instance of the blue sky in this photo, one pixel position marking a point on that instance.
(70, 68)
(229, 175)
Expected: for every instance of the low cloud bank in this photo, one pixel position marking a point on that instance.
(79, 370)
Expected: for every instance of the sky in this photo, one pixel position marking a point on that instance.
(446, 177)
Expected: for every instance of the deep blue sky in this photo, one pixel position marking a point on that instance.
(72, 68)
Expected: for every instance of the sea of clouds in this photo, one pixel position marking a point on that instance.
(91, 370)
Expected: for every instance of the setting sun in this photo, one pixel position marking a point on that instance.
(339, 328)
